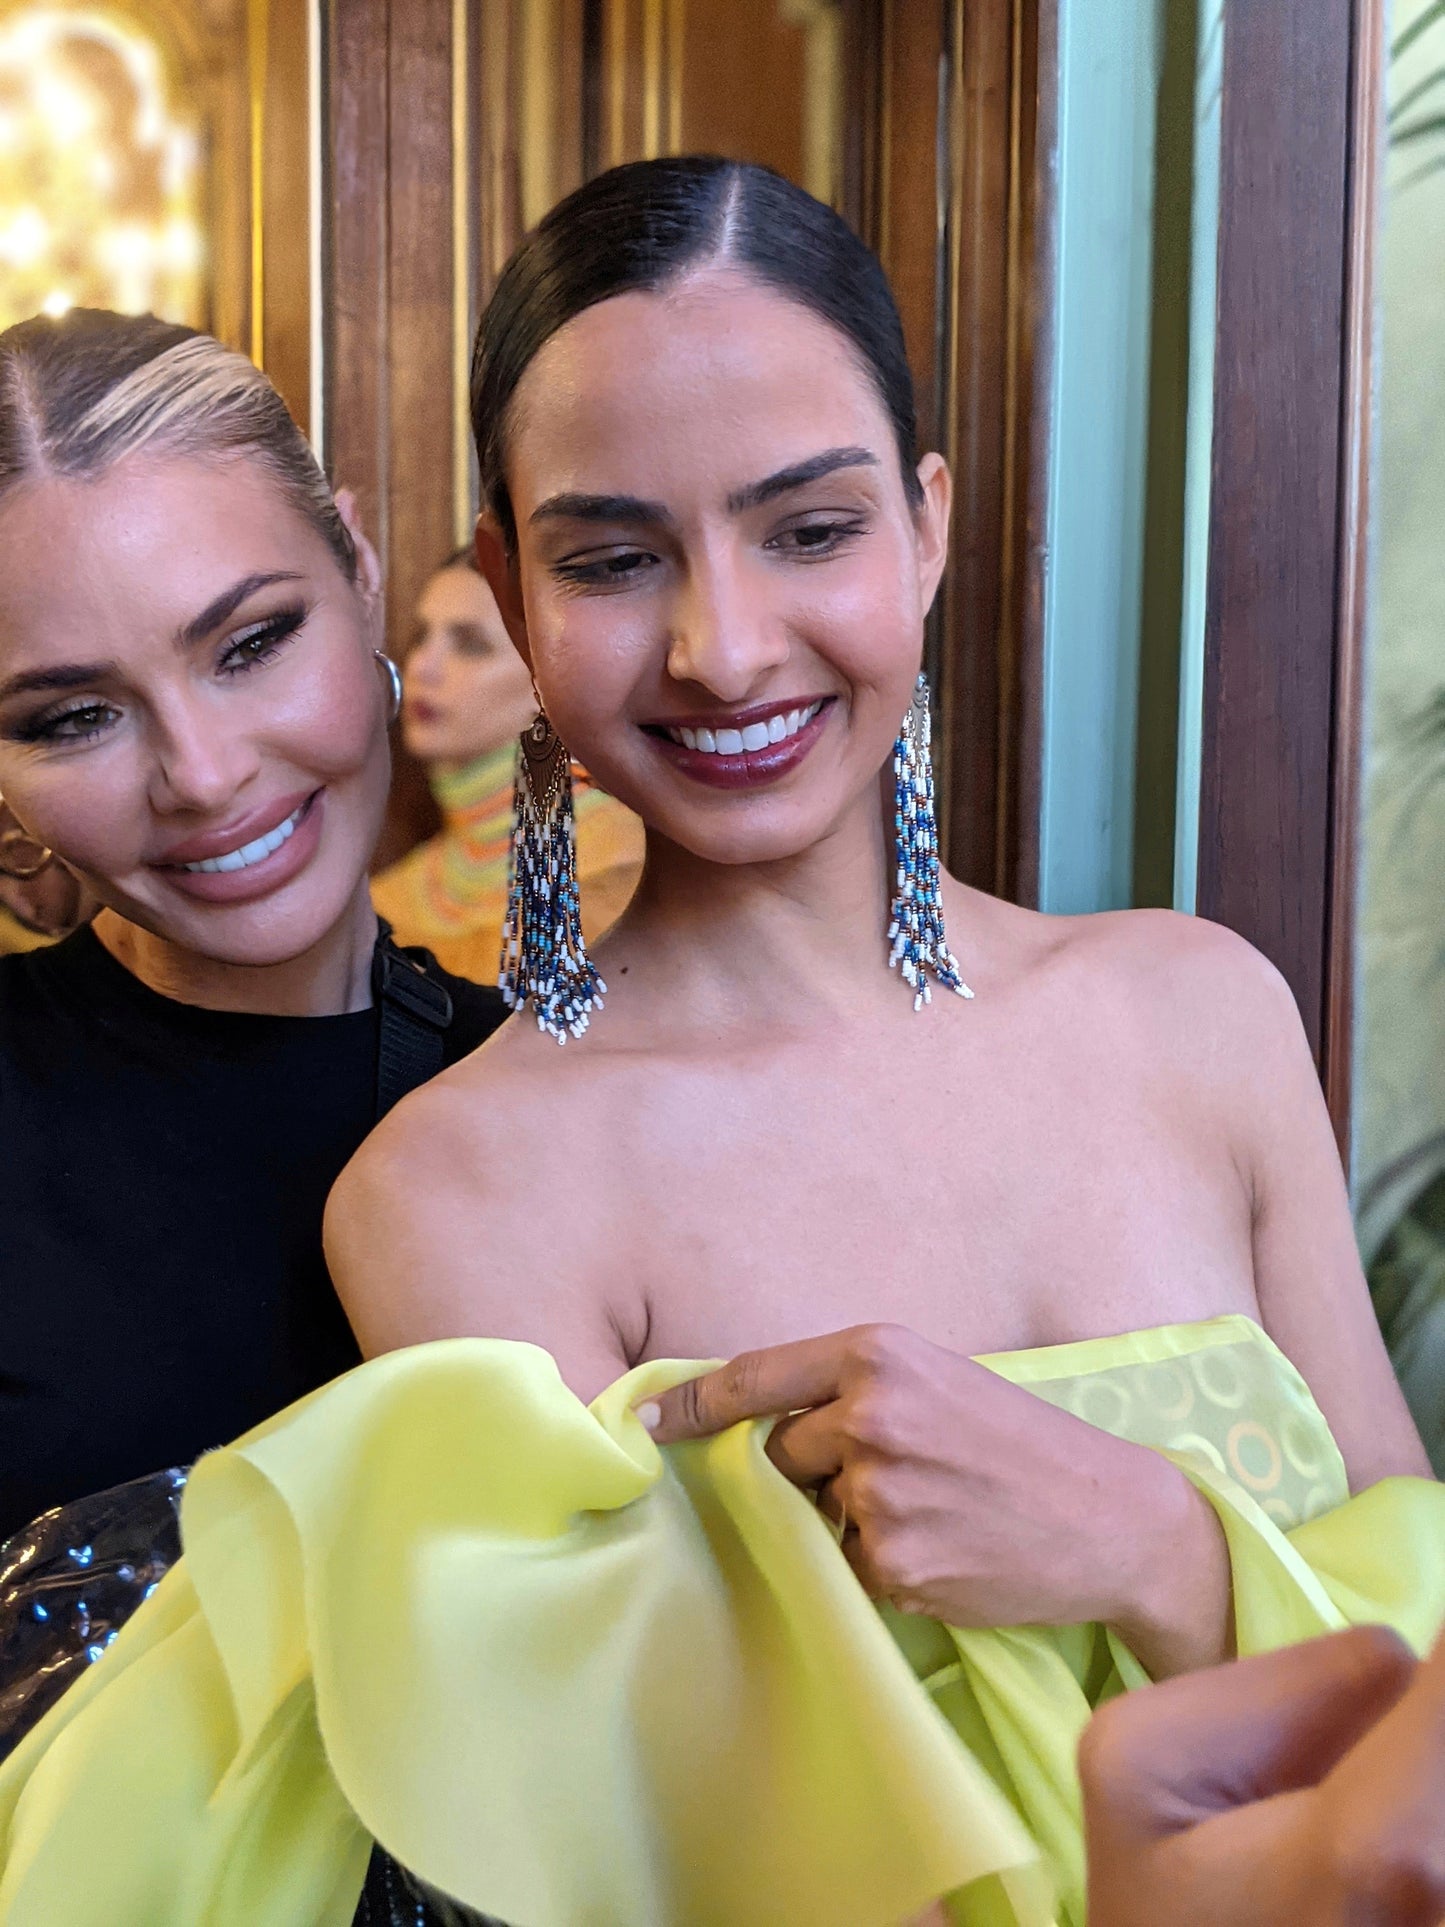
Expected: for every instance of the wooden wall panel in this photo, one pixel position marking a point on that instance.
(357, 222)
(1026, 557)
(224, 86)
(958, 201)
(421, 402)
(722, 108)
(282, 57)
(1268, 827)
(912, 47)
(495, 93)
(976, 389)
(389, 280)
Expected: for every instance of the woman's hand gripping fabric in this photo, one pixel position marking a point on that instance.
(966, 1498)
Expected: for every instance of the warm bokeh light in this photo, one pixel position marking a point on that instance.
(99, 172)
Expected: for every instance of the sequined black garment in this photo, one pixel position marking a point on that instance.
(394, 1898)
(70, 1581)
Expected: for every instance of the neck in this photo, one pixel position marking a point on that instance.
(805, 933)
(332, 977)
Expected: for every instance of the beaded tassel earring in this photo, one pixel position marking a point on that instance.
(917, 942)
(544, 960)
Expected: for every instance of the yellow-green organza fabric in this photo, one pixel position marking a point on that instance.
(571, 1681)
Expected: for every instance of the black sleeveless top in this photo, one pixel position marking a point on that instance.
(163, 1171)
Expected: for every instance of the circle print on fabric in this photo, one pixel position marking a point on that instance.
(1195, 1445)
(1219, 1378)
(1104, 1404)
(1254, 1457)
(1168, 1390)
(1301, 1446)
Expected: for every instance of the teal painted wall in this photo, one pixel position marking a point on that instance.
(1132, 427)
(1109, 71)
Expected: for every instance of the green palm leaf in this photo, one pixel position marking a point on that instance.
(1412, 96)
(1418, 130)
(1418, 28)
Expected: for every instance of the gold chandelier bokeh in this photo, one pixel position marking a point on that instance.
(100, 176)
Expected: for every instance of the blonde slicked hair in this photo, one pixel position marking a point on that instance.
(81, 393)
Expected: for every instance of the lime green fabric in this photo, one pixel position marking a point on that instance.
(571, 1680)
(441, 1603)
(1223, 1402)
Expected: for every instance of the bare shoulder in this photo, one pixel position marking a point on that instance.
(479, 1207)
(1181, 985)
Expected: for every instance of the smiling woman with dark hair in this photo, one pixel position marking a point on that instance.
(1050, 1365)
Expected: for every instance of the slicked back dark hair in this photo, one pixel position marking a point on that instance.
(638, 227)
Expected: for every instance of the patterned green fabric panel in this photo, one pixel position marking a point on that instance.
(1220, 1392)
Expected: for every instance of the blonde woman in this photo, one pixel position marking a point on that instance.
(193, 720)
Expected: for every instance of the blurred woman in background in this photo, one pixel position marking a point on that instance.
(468, 697)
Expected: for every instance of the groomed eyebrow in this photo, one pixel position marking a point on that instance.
(228, 602)
(798, 476)
(46, 682)
(575, 507)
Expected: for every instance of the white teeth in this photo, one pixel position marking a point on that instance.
(756, 736)
(249, 853)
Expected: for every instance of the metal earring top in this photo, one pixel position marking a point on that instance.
(918, 944)
(393, 683)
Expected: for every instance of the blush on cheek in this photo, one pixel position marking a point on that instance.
(329, 723)
(587, 678)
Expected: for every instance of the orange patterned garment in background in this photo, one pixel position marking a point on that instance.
(450, 893)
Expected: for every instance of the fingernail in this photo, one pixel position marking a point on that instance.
(650, 1412)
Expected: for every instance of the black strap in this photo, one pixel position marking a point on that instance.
(415, 1012)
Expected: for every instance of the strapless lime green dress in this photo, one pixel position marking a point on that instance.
(572, 1681)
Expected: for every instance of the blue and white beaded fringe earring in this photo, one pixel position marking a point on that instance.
(918, 945)
(544, 960)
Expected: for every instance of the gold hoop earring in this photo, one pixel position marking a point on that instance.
(15, 867)
(393, 685)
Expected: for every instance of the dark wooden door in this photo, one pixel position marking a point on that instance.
(1284, 624)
